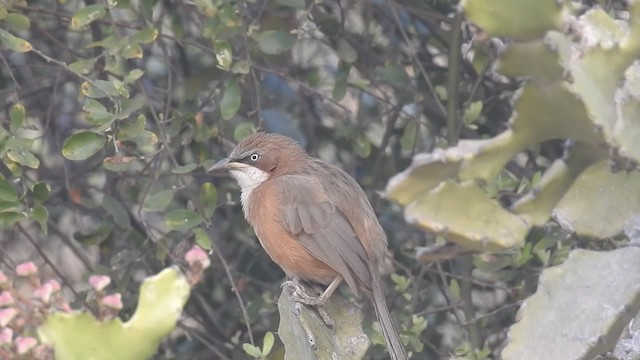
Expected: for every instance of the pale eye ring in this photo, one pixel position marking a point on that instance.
(254, 157)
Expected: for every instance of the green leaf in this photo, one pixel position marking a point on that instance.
(340, 87)
(145, 36)
(408, 138)
(17, 117)
(231, 99)
(40, 215)
(267, 343)
(10, 206)
(82, 145)
(202, 239)
(183, 220)
(117, 163)
(83, 67)
(18, 152)
(224, 54)
(7, 191)
(131, 129)
(86, 15)
(99, 89)
(241, 67)
(129, 106)
(41, 192)
(243, 130)
(184, 169)
(472, 113)
(362, 146)
(252, 350)
(117, 211)
(98, 114)
(133, 75)
(346, 52)
(274, 42)
(158, 201)
(14, 43)
(454, 290)
(297, 4)
(9, 218)
(132, 51)
(207, 7)
(208, 199)
(17, 22)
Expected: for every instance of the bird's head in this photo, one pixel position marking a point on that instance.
(259, 157)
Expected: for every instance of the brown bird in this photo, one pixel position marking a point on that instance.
(313, 220)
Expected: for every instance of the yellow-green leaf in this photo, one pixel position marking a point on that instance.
(82, 66)
(83, 145)
(183, 219)
(243, 130)
(202, 239)
(144, 36)
(208, 199)
(275, 42)
(14, 43)
(7, 192)
(17, 22)
(40, 215)
(86, 15)
(17, 117)
(41, 192)
(231, 99)
(158, 201)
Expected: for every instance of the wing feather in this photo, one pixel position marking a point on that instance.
(307, 212)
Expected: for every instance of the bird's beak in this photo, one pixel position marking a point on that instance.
(225, 165)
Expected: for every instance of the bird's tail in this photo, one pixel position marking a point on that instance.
(389, 330)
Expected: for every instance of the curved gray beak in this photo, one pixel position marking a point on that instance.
(226, 164)
(221, 165)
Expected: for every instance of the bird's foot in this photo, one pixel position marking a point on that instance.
(299, 293)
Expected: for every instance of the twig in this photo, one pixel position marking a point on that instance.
(234, 288)
(453, 79)
(417, 62)
(473, 332)
(305, 86)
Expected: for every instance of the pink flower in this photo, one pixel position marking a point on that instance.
(99, 282)
(44, 293)
(26, 269)
(6, 299)
(6, 315)
(112, 301)
(25, 344)
(6, 336)
(55, 286)
(197, 256)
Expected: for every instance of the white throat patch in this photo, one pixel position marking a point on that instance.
(248, 178)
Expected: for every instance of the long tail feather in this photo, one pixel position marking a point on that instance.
(389, 330)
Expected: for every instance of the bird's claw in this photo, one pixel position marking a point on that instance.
(300, 294)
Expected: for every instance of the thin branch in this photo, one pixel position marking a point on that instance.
(417, 61)
(306, 87)
(453, 80)
(234, 288)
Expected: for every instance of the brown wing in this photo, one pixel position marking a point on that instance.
(323, 230)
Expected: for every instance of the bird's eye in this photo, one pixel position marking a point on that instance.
(254, 157)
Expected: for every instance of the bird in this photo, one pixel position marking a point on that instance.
(313, 220)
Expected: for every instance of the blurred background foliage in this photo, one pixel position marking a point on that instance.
(109, 109)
